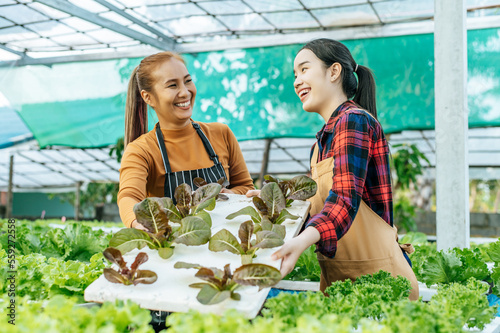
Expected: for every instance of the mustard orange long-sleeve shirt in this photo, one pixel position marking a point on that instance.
(142, 173)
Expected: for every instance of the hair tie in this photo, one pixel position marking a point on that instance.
(356, 69)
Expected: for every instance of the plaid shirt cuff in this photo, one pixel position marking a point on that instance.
(327, 244)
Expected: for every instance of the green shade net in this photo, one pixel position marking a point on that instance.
(82, 104)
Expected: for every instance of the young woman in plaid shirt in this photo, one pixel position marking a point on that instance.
(351, 214)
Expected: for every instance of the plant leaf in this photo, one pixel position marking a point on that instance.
(171, 210)
(301, 188)
(280, 230)
(145, 276)
(209, 295)
(150, 213)
(260, 205)
(235, 296)
(193, 231)
(114, 277)
(114, 256)
(266, 224)
(273, 198)
(267, 239)
(199, 182)
(128, 239)
(284, 214)
(198, 285)
(249, 210)
(205, 216)
(182, 196)
(140, 259)
(270, 179)
(223, 182)
(183, 264)
(165, 252)
(212, 275)
(245, 234)
(257, 275)
(205, 193)
(205, 205)
(224, 241)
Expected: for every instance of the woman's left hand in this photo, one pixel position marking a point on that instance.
(225, 190)
(293, 248)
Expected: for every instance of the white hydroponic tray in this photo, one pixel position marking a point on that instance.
(171, 292)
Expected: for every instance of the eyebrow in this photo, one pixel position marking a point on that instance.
(302, 63)
(176, 79)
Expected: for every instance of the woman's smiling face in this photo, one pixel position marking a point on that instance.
(173, 93)
(312, 81)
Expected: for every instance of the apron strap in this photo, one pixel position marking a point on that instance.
(315, 154)
(206, 143)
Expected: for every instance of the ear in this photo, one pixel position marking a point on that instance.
(334, 71)
(146, 96)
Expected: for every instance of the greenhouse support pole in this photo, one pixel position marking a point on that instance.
(10, 194)
(265, 162)
(77, 201)
(451, 116)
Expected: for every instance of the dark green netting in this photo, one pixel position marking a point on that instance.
(251, 90)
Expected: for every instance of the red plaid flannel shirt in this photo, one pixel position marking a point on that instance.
(357, 143)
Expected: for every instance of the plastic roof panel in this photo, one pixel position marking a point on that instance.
(194, 25)
(342, 16)
(167, 12)
(85, 29)
(225, 7)
(291, 20)
(247, 22)
(21, 14)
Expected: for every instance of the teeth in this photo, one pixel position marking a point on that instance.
(183, 105)
(303, 92)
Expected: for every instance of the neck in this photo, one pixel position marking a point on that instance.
(169, 124)
(332, 105)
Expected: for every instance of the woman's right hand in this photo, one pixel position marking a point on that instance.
(253, 193)
(137, 225)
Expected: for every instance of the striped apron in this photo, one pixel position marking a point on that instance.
(174, 179)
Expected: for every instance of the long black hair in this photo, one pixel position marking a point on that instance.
(362, 92)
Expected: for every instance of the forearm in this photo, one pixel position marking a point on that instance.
(126, 208)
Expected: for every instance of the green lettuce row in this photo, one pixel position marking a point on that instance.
(61, 314)
(234, 322)
(373, 303)
(38, 277)
(46, 222)
(74, 242)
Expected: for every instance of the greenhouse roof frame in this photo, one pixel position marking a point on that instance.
(60, 168)
(54, 31)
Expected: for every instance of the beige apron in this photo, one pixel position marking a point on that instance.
(369, 245)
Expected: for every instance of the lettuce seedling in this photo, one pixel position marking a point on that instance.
(125, 275)
(199, 182)
(270, 208)
(189, 203)
(152, 214)
(226, 241)
(298, 188)
(220, 285)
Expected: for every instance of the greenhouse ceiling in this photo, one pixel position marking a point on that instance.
(55, 31)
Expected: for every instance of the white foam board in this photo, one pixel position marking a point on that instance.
(171, 292)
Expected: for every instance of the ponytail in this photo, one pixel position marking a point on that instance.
(362, 91)
(365, 94)
(136, 116)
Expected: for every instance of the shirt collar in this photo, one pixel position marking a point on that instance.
(328, 127)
